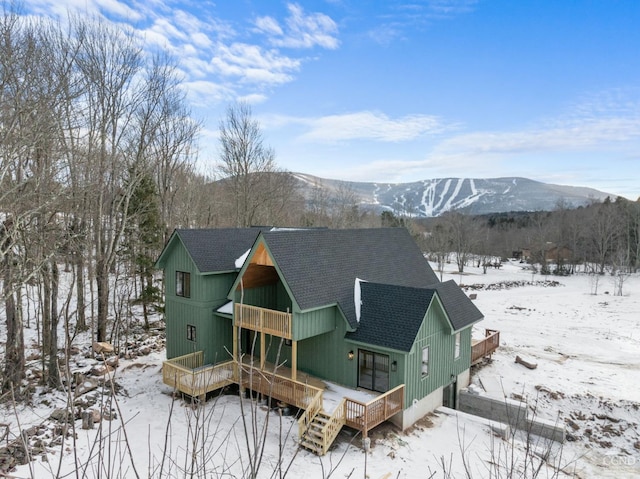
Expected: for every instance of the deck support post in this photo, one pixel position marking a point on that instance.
(294, 360)
(236, 357)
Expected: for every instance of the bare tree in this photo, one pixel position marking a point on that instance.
(246, 163)
(31, 93)
(463, 236)
(171, 134)
(344, 209)
(134, 112)
(604, 231)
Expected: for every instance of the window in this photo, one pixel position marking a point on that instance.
(183, 284)
(425, 361)
(191, 332)
(456, 351)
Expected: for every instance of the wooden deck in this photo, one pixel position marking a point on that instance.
(189, 375)
(282, 371)
(483, 348)
(366, 416)
(317, 429)
(276, 383)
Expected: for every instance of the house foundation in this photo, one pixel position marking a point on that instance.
(429, 403)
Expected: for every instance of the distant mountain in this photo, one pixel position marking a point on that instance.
(433, 197)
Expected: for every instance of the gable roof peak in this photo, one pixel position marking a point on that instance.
(320, 266)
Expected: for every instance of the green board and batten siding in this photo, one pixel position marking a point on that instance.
(313, 323)
(325, 355)
(435, 333)
(208, 292)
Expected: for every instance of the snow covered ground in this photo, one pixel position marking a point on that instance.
(586, 347)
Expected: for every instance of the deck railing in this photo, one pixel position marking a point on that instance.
(189, 375)
(365, 416)
(270, 321)
(284, 389)
(306, 418)
(486, 346)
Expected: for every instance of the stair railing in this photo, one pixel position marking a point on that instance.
(334, 425)
(314, 407)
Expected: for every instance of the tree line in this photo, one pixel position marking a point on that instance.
(96, 141)
(601, 237)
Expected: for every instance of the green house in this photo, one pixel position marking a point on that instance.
(309, 308)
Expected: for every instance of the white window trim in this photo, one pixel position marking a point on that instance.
(424, 364)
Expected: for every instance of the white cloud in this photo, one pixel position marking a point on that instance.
(201, 40)
(205, 45)
(60, 8)
(252, 64)
(369, 125)
(253, 98)
(206, 93)
(572, 136)
(401, 16)
(301, 31)
(268, 25)
(119, 9)
(165, 27)
(451, 7)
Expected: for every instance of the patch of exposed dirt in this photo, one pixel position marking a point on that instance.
(599, 422)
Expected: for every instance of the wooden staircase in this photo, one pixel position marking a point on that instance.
(313, 438)
(317, 429)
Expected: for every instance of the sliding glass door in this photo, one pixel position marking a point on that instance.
(373, 371)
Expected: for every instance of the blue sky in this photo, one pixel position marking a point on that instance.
(395, 91)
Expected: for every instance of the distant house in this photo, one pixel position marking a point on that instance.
(361, 308)
(522, 254)
(549, 252)
(557, 254)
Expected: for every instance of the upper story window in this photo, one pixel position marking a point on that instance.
(425, 361)
(183, 284)
(456, 351)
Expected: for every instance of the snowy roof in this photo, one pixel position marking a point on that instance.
(226, 308)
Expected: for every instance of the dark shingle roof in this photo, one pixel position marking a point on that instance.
(391, 316)
(217, 249)
(320, 266)
(460, 309)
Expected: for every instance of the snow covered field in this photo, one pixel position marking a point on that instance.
(586, 347)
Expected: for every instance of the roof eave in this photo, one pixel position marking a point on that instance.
(159, 264)
(376, 346)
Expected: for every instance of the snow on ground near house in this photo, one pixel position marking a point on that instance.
(587, 350)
